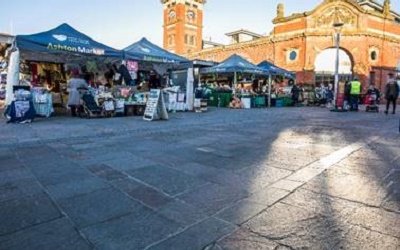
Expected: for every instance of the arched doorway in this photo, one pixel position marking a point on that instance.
(325, 66)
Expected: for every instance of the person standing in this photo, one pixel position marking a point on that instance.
(74, 84)
(295, 94)
(355, 91)
(391, 93)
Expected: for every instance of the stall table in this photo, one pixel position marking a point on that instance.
(134, 109)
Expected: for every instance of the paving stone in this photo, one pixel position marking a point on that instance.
(97, 206)
(75, 188)
(34, 152)
(19, 189)
(129, 163)
(259, 177)
(211, 198)
(287, 185)
(182, 213)
(377, 220)
(392, 201)
(105, 172)
(268, 196)
(46, 161)
(100, 156)
(52, 173)
(133, 231)
(212, 174)
(25, 212)
(9, 162)
(166, 179)
(377, 172)
(197, 236)
(142, 193)
(297, 227)
(10, 176)
(358, 237)
(321, 204)
(241, 211)
(392, 176)
(352, 187)
(305, 174)
(243, 239)
(56, 234)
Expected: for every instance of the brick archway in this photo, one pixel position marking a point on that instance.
(327, 57)
(325, 66)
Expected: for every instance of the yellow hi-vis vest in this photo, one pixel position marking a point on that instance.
(355, 88)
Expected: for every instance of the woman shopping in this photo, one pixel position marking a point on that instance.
(74, 84)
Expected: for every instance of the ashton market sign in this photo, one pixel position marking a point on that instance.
(80, 46)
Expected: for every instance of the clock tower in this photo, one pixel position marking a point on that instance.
(183, 25)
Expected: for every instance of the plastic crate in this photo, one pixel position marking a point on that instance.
(279, 103)
(259, 101)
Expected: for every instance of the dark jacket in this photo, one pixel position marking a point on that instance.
(124, 72)
(392, 90)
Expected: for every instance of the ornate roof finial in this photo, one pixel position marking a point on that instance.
(280, 11)
(386, 8)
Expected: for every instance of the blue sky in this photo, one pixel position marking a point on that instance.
(119, 23)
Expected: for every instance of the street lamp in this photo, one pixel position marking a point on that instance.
(338, 27)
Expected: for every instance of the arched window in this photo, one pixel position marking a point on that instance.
(191, 16)
(171, 16)
(186, 39)
(374, 55)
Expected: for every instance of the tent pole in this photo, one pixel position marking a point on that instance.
(234, 82)
(269, 90)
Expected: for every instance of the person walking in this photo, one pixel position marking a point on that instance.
(74, 84)
(295, 94)
(391, 93)
(355, 91)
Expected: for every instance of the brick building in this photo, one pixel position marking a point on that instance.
(183, 25)
(304, 42)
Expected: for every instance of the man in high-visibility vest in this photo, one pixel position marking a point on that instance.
(355, 91)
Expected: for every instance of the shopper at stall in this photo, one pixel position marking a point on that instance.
(74, 84)
(154, 80)
(391, 93)
(109, 76)
(255, 85)
(123, 74)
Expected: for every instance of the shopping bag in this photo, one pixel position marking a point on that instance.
(120, 104)
(109, 106)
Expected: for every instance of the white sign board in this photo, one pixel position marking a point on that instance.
(155, 107)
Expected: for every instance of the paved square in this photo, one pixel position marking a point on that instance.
(291, 178)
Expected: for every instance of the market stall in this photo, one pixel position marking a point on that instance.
(280, 97)
(160, 69)
(235, 77)
(41, 62)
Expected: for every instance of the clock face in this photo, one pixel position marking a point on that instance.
(191, 14)
(172, 14)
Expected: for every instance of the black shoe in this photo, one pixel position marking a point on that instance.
(393, 113)
(386, 112)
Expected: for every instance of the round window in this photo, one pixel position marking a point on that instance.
(293, 55)
(374, 55)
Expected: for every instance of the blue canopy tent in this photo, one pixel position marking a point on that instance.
(146, 51)
(275, 70)
(233, 64)
(60, 44)
(272, 69)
